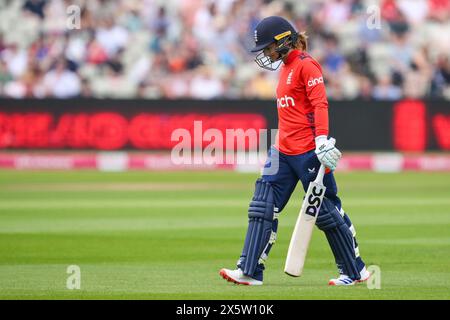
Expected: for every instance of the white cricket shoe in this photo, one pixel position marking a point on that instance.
(365, 275)
(345, 280)
(238, 277)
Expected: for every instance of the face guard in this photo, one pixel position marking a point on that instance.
(266, 62)
(283, 44)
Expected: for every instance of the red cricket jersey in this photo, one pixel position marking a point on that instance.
(302, 104)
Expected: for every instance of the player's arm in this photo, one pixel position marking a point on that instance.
(312, 76)
(316, 94)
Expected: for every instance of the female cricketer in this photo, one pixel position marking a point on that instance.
(301, 147)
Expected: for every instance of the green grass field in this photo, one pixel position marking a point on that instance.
(141, 235)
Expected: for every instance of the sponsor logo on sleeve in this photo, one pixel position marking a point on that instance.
(315, 81)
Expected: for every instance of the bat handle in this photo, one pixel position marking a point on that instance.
(319, 178)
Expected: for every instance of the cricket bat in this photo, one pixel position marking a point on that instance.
(304, 226)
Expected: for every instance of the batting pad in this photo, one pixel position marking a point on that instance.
(339, 237)
(260, 223)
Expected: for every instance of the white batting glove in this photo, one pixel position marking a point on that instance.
(326, 152)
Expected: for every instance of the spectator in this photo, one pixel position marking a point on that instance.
(441, 76)
(5, 76)
(390, 11)
(333, 59)
(336, 13)
(85, 91)
(111, 36)
(401, 52)
(365, 89)
(35, 6)
(15, 89)
(16, 59)
(385, 90)
(349, 82)
(205, 86)
(439, 10)
(415, 85)
(178, 87)
(161, 23)
(203, 23)
(2, 44)
(95, 54)
(61, 82)
(415, 11)
(261, 86)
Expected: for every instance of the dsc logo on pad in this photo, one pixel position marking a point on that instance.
(285, 101)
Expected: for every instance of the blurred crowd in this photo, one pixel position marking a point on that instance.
(384, 50)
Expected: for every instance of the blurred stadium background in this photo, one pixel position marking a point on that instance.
(199, 49)
(110, 75)
(80, 98)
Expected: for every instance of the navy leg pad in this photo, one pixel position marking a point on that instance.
(260, 224)
(339, 237)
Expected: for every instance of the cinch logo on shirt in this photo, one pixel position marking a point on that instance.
(285, 101)
(315, 81)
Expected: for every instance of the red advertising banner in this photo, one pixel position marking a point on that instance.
(89, 124)
(411, 129)
(113, 131)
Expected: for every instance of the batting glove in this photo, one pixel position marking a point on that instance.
(326, 152)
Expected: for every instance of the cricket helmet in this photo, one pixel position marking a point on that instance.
(270, 30)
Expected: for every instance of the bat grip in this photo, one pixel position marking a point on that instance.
(319, 178)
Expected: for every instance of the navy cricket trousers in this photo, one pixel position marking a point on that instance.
(284, 171)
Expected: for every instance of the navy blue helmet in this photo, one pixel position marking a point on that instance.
(273, 30)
